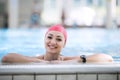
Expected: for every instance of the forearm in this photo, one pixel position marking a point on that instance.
(95, 58)
(99, 58)
(17, 58)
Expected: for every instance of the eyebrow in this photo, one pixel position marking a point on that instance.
(52, 35)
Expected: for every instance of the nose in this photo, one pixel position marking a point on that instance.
(53, 41)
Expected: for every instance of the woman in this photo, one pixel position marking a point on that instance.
(55, 40)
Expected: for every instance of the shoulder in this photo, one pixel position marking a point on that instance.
(65, 58)
(40, 57)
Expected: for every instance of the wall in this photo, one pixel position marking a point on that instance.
(69, 76)
(60, 72)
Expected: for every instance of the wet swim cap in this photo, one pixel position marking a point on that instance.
(58, 28)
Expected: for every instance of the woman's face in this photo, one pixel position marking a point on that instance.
(54, 42)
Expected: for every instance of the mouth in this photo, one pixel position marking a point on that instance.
(52, 47)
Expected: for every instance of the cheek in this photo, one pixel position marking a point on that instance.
(62, 44)
(45, 41)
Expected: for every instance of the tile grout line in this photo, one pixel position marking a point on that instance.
(97, 76)
(117, 76)
(34, 76)
(76, 76)
(12, 77)
(55, 76)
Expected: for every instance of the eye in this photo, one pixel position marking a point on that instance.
(49, 37)
(59, 39)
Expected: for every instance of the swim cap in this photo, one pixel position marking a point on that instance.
(58, 28)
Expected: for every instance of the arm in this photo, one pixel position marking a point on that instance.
(99, 58)
(17, 58)
(95, 58)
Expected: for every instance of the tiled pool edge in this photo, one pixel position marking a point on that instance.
(60, 72)
(59, 68)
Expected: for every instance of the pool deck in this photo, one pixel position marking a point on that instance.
(60, 71)
(59, 68)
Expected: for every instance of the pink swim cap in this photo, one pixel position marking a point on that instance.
(58, 28)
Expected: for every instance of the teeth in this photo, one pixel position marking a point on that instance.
(52, 47)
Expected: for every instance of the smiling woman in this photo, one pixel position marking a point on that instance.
(55, 40)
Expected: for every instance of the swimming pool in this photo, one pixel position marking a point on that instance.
(87, 41)
(30, 42)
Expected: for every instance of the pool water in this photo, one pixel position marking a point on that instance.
(30, 42)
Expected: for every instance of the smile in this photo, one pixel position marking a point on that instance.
(52, 47)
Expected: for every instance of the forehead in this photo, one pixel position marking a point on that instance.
(55, 33)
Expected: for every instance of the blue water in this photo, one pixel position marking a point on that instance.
(30, 42)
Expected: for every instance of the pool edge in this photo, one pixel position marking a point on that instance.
(59, 68)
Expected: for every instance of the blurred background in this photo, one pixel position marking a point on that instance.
(70, 13)
(93, 26)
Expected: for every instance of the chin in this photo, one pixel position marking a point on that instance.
(52, 52)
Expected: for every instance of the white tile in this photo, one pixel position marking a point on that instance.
(23, 77)
(45, 77)
(107, 77)
(87, 77)
(5, 77)
(66, 77)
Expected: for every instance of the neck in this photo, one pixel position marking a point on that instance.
(50, 57)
